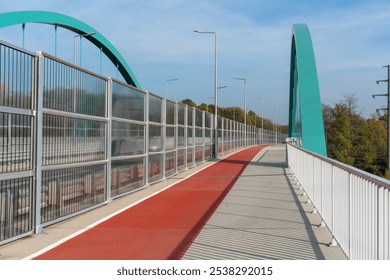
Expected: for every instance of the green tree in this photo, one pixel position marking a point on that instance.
(189, 102)
(354, 140)
(342, 136)
(251, 118)
(203, 107)
(237, 114)
(376, 128)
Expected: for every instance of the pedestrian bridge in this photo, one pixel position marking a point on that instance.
(245, 206)
(83, 154)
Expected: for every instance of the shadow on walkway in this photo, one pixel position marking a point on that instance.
(263, 217)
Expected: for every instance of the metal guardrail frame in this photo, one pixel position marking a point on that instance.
(354, 204)
(17, 100)
(84, 183)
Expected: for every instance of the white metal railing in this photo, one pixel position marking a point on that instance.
(353, 204)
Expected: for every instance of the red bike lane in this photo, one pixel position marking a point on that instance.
(163, 226)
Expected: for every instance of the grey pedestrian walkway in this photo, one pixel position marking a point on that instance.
(264, 216)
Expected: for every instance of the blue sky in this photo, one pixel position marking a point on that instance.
(351, 42)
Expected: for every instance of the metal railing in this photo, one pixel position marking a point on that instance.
(72, 140)
(17, 140)
(354, 204)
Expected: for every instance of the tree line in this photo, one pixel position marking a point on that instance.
(237, 114)
(350, 138)
(355, 140)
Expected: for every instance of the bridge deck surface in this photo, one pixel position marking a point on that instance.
(264, 216)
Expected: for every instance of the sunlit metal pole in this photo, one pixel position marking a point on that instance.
(74, 44)
(55, 40)
(23, 29)
(74, 62)
(215, 92)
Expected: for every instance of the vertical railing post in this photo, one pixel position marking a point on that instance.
(385, 222)
(333, 242)
(164, 135)
(176, 136)
(378, 227)
(322, 195)
(233, 135)
(193, 137)
(146, 174)
(203, 135)
(222, 129)
(39, 142)
(350, 222)
(211, 137)
(186, 136)
(109, 90)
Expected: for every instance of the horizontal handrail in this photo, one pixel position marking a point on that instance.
(358, 172)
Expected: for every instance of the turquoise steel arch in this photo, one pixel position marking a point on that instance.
(305, 111)
(14, 18)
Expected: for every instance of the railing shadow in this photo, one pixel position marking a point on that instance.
(255, 233)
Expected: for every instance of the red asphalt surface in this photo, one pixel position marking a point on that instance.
(163, 226)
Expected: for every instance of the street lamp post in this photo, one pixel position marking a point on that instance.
(166, 86)
(215, 92)
(74, 45)
(243, 79)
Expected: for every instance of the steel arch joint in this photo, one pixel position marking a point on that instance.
(305, 110)
(77, 26)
